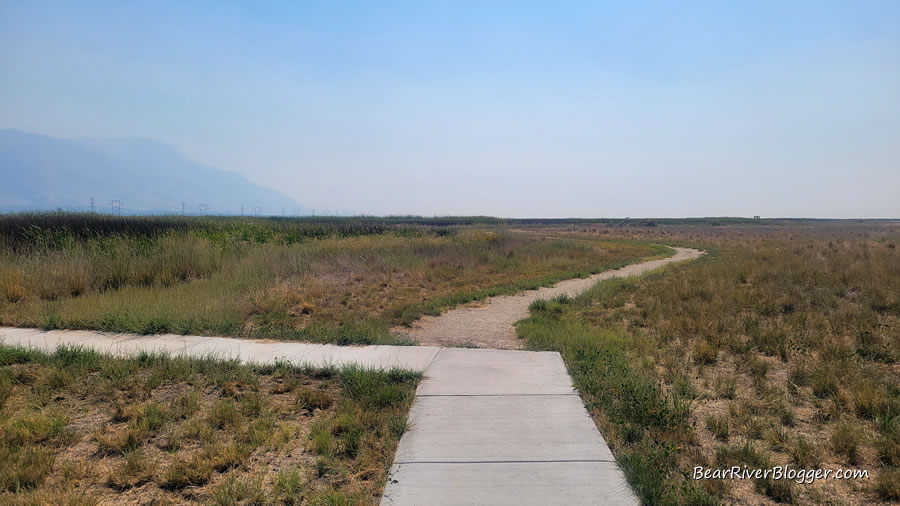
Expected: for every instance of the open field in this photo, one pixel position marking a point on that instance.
(780, 347)
(330, 280)
(80, 428)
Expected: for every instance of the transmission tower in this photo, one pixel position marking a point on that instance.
(93, 205)
(203, 208)
(115, 207)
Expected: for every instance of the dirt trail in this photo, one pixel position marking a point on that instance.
(490, 324)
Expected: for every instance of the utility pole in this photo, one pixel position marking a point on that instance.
(282, 211)
(93, 207)
(183, 205)
(242, 209)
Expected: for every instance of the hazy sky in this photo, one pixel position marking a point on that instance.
(552, 109)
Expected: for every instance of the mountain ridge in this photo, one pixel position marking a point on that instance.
(43, 172)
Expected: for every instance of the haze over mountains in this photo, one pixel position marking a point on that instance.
(42, 172)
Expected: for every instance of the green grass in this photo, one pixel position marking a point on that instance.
(174, 430)
(337, 281)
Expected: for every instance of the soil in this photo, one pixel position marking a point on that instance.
(490, 324)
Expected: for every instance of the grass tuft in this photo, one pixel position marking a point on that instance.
(718, 425)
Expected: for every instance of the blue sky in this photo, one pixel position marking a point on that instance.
(503, 108)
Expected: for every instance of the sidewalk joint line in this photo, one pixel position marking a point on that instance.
(496, 395)
(559, 461)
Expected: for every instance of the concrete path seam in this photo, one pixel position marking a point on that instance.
(495, 395)
(568, 461)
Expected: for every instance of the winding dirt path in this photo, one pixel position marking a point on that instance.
(490, 324)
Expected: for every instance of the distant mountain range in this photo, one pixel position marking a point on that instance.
(42, 172)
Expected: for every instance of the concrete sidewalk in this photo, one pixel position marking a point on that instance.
(502, 427)
(487, 426)
(415, 358)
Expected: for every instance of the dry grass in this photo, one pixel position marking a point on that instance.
(278, 280)
(78, 428)
(792, 335)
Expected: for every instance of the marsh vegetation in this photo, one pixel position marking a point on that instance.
(779, 347)
(334, 280)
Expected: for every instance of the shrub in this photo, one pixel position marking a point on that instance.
(845, 440)
(288, 486)
(781, 491)
(24, 468)
(804, 453)
(887, 484)
(704, 352)
(718, 425)
(726, 386)
(235, 491)
(312, 400)
(185, 473)
(134, 471)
